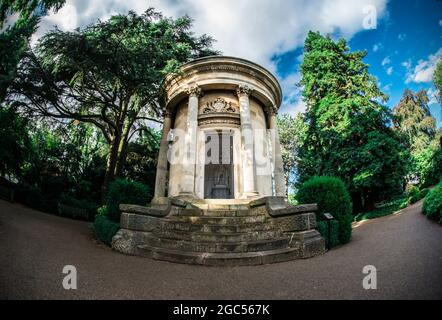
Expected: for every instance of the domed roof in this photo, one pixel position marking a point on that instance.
(225, 73)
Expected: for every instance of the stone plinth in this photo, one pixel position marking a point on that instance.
(214, 233)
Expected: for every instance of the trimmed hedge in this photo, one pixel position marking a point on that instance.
(104, 228)
(432, 206)
(127, 192)
(331, 196)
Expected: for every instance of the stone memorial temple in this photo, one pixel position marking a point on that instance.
(220, 194)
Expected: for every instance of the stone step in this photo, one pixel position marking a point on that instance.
(221, 247)
(221, 259)
(219, 220)
(219, 238)
(186, 212)
(189, 226)
(218, 213)
(219, 206)
(231, 213)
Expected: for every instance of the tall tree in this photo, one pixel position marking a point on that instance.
(348, 133)
(291, 131)
(14, 141)
(14, 41)
(26, 9)
(108, 74)
(142, 157)
(437, 80)
(413, 119)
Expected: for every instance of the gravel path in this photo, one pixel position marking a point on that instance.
(406, 249)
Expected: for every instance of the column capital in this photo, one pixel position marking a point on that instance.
(243, 89)
(194, 90)
(272, 112)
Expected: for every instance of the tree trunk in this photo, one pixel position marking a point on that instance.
(110, 167)
(369, 201)
(122, 151)
(121, 158)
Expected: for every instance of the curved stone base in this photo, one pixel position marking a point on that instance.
(262, 231)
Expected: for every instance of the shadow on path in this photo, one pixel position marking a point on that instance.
(406, 249)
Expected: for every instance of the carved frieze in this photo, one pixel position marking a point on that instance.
(219, 105)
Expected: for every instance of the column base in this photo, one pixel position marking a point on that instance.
(187, 195)
(250, 195)
(160, 200)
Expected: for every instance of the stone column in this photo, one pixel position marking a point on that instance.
(280, 188)
(189, 161)
(161, 176)
(248, 157)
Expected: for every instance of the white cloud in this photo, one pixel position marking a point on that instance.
(406, 64)
(401, 36)
(377, 47)
(255, 29)
(389, 70)
(252, 29)
(423, 71)
(293, 108)
(387, 87)
(386, 61)
(432, 95)
(292, 102)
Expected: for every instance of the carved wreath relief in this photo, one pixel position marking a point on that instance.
(219, 105)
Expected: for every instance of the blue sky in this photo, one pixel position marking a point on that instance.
(402, 49)
(407, 36)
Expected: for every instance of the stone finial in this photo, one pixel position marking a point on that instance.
(194, 91)
(243, 90)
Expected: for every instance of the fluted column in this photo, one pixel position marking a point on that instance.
(188, 178)
(248, 157)
(161, 176)
(280, 188)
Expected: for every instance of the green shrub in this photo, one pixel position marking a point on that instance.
(322, 227)
(89, 206)
(384, 209)
(412, 191)
(292, 199)
(331, 196)
(432, 206)
(423, 193)
(125, 191)
(30, 196)
(416, 196)
(104, 228)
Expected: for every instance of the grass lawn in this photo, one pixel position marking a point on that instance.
(384, 209)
